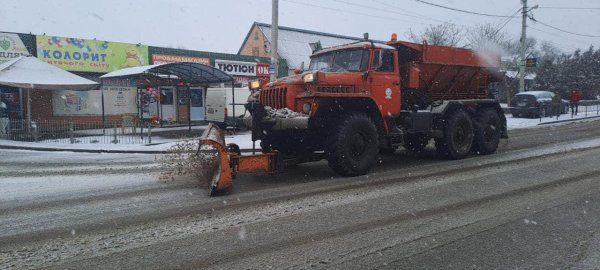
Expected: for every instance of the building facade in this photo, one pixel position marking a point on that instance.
(94, 58)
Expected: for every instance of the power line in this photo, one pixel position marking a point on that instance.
(405, 12)
(508, 20)
(462, 10)
(571, 47)
(573, 8)
(561, 30)
(351, 12)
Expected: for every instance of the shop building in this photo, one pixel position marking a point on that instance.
(13, 45)
(115, 99)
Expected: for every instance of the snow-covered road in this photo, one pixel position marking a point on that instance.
(84, 210)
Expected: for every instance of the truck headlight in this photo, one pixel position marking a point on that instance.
(309, 77)
(306, 108)
(254, 85)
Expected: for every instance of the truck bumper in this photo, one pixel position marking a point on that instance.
(280, 123)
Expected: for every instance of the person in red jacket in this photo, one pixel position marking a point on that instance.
(574, 98)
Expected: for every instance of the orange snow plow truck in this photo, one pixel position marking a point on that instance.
(361, 99)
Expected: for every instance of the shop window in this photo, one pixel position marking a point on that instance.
(166, 96)
(10, 97)
(196, 97)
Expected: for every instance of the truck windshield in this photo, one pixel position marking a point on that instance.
(341, 61)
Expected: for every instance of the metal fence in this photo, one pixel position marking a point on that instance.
(586, 108)
(75, 132)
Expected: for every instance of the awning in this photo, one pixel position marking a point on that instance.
(192, 73)
(29, 72)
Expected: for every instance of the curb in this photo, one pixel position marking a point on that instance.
(47, 149)
(567, 120)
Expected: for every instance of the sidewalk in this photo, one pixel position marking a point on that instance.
(162, 141)
(166, 138)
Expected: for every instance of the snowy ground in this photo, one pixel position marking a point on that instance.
(243, 139)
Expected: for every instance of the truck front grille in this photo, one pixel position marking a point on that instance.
(336, 89)
(274, 97)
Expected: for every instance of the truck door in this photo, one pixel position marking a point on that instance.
(385, 82)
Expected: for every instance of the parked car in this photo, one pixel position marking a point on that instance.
(535, 104)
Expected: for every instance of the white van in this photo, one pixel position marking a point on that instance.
(220, 103)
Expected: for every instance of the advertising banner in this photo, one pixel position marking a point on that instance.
(238, 68)
(67, 102)
(11, 46)
(90, 55)
(166, 58)
(117, 100)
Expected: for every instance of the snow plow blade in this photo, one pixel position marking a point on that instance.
(231, 161)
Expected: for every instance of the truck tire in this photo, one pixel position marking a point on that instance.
(487, 132)
(352, 146)
(415, 142)
(458, 136)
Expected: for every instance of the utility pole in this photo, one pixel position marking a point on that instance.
(274, 37)
(522, 48)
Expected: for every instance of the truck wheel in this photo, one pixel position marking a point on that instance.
(415, 142)
(487, 132)
(352, 146)
(458, 136)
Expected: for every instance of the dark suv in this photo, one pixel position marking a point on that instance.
(535, 104)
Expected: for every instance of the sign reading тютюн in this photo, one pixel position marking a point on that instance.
(250, 69)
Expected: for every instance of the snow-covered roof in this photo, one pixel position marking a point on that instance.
(30, 72)
(129, 71)
(190, 72)
(515, 74)
(293, 44)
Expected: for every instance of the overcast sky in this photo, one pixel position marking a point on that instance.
(221, 25)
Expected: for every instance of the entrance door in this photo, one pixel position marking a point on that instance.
(167, 106)
(197, 104)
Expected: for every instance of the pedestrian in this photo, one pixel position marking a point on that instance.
(574, 98)
(556, 103)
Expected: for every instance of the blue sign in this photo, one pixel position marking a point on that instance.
(272, 69)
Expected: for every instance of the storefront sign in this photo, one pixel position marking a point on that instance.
(250, 69)
(119, 100)
(166, 58)
(90, 55)
(11, 46)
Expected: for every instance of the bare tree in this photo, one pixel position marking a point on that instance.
(442, 34)
(488, 37)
